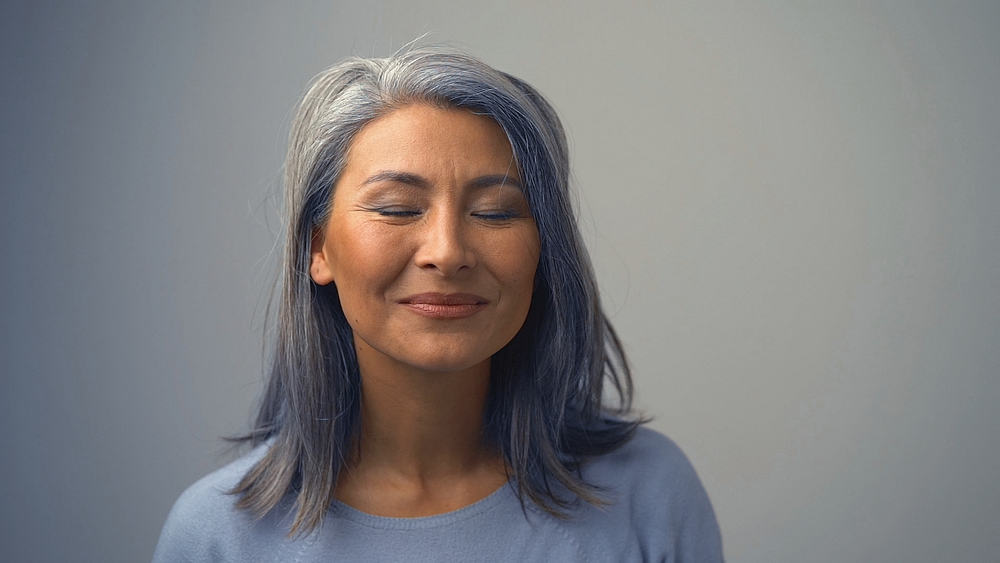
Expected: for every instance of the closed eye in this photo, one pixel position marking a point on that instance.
(499, 215)
(397, 212)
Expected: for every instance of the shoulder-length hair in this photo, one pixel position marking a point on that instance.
(546, 410)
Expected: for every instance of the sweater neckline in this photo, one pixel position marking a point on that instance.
(483, 505)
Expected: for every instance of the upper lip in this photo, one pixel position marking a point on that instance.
(445, 299)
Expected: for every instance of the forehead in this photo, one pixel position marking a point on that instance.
(427, 139)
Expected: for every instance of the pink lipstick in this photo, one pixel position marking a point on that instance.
(445, 306)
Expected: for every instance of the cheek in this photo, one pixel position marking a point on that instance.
(530, 252)
(367, 258)
(518, 260)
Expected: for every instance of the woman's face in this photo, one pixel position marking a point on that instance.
(430, 241)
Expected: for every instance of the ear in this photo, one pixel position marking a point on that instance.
(320, 267)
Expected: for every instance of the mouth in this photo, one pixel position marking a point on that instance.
(445, 305)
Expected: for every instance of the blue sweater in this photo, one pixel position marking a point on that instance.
(659, 512)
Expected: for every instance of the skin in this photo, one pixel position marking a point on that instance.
(429, 203)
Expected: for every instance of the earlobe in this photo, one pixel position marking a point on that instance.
(319, 267)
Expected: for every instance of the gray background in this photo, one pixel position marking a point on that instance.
(792, 208)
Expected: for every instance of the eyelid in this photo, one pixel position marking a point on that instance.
(494, 215)
(498, 214)
(395, 211)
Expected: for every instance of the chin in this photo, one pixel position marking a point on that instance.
(436, 353)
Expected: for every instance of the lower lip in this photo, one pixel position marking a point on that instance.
(436, 311)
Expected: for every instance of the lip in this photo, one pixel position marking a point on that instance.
(445, 305)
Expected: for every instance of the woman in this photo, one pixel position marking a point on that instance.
(437, 386)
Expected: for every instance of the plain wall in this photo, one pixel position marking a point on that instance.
(792, 208)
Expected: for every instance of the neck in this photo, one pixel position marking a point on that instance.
(420, 449)
(419, 425)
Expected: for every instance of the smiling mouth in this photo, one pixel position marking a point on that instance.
(445, 306)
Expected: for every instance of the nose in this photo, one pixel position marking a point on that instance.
(445, 245)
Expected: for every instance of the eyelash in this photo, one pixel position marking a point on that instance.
(499, 215)
(503, 215)
(391, 212)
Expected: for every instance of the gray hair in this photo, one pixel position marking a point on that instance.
(545, 411)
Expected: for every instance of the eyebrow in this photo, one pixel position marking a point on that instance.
(421, 182)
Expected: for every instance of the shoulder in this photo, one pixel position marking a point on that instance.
(648, 450)
(209, 498)
(652, 484)
(204, 522)
(649, 460)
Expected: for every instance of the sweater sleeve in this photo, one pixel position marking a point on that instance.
(671, 510)
(697, 537)
(188, 533)
(205, 525)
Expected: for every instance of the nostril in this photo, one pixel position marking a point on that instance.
(445, 248)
